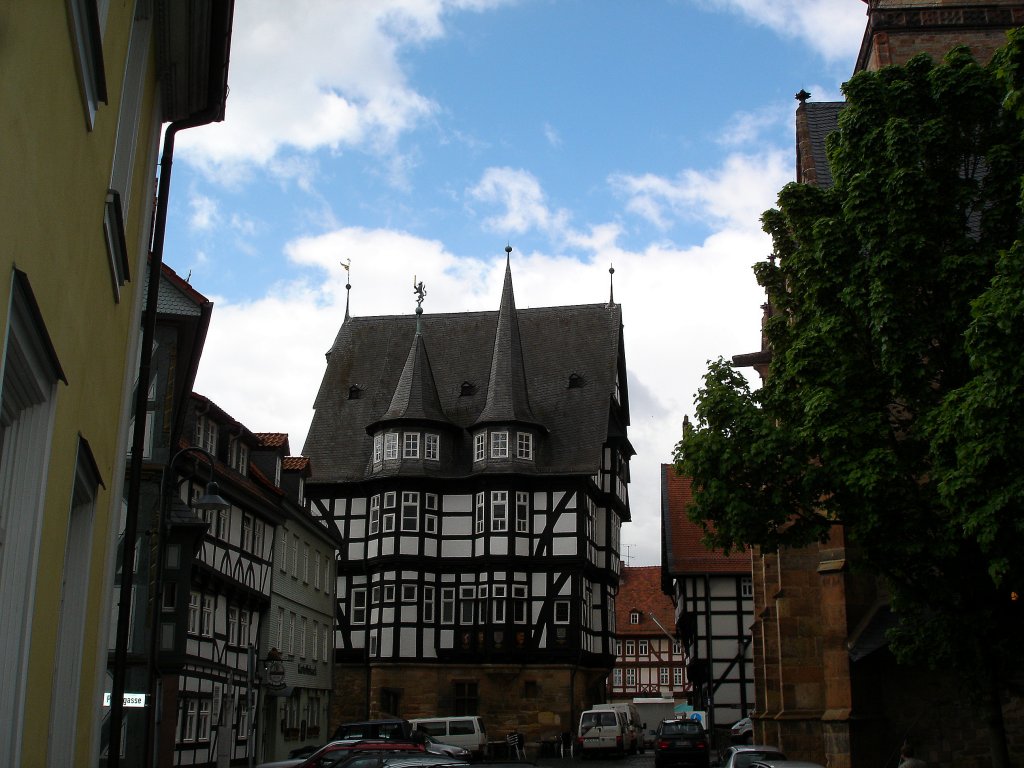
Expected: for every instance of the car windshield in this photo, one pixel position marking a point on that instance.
(744, 759)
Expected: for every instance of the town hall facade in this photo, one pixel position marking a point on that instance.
(475, 466)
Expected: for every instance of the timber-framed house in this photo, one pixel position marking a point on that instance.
(475, 466)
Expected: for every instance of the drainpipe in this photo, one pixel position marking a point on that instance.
(138, 438)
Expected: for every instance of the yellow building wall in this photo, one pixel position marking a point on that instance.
(54, 175)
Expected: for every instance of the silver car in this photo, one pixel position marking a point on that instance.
(742, 755)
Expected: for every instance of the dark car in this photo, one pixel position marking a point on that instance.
(337, 752)
(390, 729)
(682, 743)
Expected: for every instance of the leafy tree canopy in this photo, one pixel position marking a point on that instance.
(894, 405)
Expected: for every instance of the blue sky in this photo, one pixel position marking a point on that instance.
(418, 137)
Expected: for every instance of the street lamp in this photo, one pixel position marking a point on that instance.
(179, 534)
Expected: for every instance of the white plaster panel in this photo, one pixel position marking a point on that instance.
(458, 503)
(564, 546)
(430, 547)
(457, 526)
(566, 523)
(499, 545)
(540, 501)
(409, 545)
(387, 545)
(408, 635)
(457, 548)
(357, 507)
(357, 528)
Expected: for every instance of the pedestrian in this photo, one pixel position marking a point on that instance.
(908, 760)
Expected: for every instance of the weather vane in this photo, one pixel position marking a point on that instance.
(420, 290)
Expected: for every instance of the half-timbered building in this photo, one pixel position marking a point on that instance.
(475, 465)
(714, 599)
(229, 591)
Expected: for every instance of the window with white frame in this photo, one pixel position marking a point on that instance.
(630, 677)
(630, 648)
(259, 529)
(617, 677)
(358, 607)
(561, 611)
(193, 613)
(663, 676)
(203, 733)
(677, 648)
(408, 593)
(375, 595)
(499, 445)
(428, 604)
(519, 604)
(499, 511)
(411, 445)
(378, 448)
(280, 630)
(282, 547)
(498, 603)
(524, 446)
(374, 514)
(479, 446)
(295, 556)
(316, 641)
(206, 434)
(480, 512)
(189, 731)
(390, 446)
(305, 562)
(410, 511)
(431, 447)
(634, 617)
(302, 638)
(327, 643)
(243, 627)
(238, 456)
(642, 648)
(677, 677)
(522, 512)
(291, 633)
(389, 594)
(243, 715)
(467, 596)
(389, 521)
(232, 625)
(448, 605)
(207, 617)
(618, 648)
(316, 570)
(246, 532)
(430, 523)
(746, 587)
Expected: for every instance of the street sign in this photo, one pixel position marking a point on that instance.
(130, 700)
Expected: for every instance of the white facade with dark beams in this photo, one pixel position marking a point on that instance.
(475, 467)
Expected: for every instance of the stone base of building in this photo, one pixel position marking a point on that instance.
(541, 701)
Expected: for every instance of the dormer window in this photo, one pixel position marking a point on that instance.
(479, 446)
(634, 617)
(576, 381)
(499, 445)
(378, 448)
(390, 446)
(468, 389)
(524, 446)
(238, 456)
(206, 434)
(277, 471)
(355, 392)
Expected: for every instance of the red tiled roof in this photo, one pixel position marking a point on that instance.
(684, 548)
(640, 590)
(293, 463)
(272, 439)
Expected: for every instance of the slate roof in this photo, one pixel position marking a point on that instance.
(640, 590)
(820, 118)
(371, 353)
(415, 397)
(684, 551)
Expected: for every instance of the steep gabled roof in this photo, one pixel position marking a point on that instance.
(415, 397)
(815, 120)
(640, 590)
(370, 353)
(508, 396)
(684, 550)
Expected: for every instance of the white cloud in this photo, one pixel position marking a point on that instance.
(552, 135)
(320, 74)
(204, 212)
(734, 195)
(522, 200)
(833, 28)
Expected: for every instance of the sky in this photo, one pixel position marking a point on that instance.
(415, 139)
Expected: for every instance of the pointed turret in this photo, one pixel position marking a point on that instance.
(508, 397)
(415, 397)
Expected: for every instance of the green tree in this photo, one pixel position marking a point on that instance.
(894, 404)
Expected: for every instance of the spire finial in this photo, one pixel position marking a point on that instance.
(347, 265)
(508, 252)
(802, 96)
(420, 290)
(611, 285)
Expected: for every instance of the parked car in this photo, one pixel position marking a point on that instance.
(784, 764)
(465, 731)
(436, 747)
(409, 760)
(337, 751)
(742, 755)
(742, 730)
(603, 731)
(392, 728)
(682, 743)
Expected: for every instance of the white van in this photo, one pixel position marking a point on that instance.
(467, 732)
(603, 730)
(636, 741)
